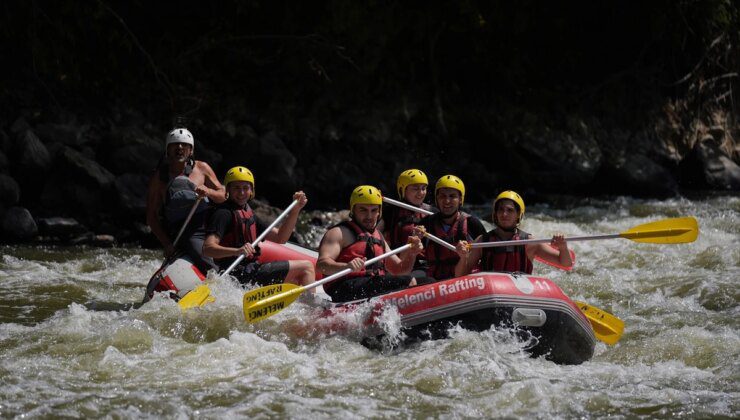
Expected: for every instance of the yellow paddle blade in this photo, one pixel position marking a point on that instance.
(680, 230)
(196, 297)
(267, 301)
(607, 327)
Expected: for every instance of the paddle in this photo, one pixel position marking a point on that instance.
(452, 247)
(262, 236)
(266, 301)
(607, 327)
(668, 231)
(187, 301)
(202, 294)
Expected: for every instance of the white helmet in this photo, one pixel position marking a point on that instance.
(180, 135)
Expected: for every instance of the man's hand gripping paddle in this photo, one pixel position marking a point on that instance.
(202, 294)
(265, 302)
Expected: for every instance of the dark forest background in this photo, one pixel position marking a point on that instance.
(576, 97)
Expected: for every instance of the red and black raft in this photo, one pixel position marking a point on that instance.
(535, 307)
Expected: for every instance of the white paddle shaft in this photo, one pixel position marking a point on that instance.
(406, 206)
(542, 241)
(349, 270)
(187, 220)
(261, 236)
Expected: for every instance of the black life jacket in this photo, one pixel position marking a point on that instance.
(243, 229)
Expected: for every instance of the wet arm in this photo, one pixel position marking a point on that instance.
(282, 234)
(331, 246)
(215, 191)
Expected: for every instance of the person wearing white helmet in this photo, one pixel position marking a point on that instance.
(508, 212)
(174, 188)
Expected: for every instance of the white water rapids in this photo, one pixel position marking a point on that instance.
(71, 347)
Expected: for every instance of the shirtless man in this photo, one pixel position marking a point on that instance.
(174, 188)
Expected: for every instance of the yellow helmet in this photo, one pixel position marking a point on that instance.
(513, 196)
(450, 181)
(365, 194)
(409, 177)
(240, 173)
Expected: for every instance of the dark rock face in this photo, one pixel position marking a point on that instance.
(10, 191)
(637, 175)
(131, 190)
(83, 188)
(360, 94)
(60, 227)
(30, 153)
(555, 159)
(719, 171)
(18, 224)
(130, 149)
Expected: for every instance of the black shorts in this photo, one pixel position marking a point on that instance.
(261, 274)
(354, 288)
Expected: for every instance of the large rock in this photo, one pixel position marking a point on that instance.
(5, 143)
(30, 153)
(60, 227)
(132, 191)
(80, 167)
(636, 175)
(18, 224)
(69, 134)
(10, 192)
(85, 190)
(131, 150)
(718, 170)
(552, 159)
(274, 166)
(4, 163)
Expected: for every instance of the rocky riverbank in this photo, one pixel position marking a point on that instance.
(81, 181)
(590, 99)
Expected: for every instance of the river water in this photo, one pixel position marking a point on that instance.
(71, 346)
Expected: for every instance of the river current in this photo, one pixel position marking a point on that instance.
(72, 344)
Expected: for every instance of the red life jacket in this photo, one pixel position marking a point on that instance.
(506, 258)
(243, 228)
(401, 225)
(368, 245)
(441, 260)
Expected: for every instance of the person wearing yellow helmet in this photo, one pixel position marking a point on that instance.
(508, 212)
(233, 227)
(398, 223)
(450, 224)
(350, 243)
(174, 188)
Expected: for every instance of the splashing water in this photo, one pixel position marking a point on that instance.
(73, 342)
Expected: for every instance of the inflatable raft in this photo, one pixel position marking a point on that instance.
(533, 306)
